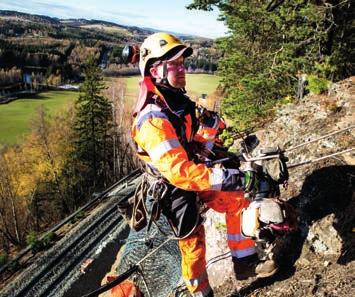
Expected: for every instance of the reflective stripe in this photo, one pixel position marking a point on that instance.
(147, 109)
(217, 179)
(196, 281)
(203, 292)
(241, 253)
(151, 111)
(235, 237)
(158, 151)
(151, 115)
(209, 145)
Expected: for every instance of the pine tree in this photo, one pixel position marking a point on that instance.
(271, 43)
(93, 126)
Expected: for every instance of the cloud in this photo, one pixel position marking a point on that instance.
(180, 21)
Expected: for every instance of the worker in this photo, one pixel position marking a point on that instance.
(164, 131)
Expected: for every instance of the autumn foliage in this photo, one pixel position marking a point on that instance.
(64, 159)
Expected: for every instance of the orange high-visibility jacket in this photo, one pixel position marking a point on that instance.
(163, 130)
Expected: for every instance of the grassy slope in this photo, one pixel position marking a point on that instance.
(15, 117)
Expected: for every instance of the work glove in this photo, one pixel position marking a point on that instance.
(255, 185)
(250, 184)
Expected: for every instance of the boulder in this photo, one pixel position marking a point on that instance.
(323, 238)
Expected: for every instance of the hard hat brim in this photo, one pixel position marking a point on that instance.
(185, 52)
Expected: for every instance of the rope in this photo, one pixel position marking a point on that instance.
(153, 251)
(320, 138)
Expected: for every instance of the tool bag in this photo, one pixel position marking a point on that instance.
(125, 289)
(277, 169)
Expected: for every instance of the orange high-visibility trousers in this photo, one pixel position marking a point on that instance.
(193, 248)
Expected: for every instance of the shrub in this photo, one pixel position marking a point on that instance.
(49, 238)
(3, 258)
(317, 85)
(35, 244)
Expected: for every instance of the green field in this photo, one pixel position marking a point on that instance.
(196, 84)
(15, 117)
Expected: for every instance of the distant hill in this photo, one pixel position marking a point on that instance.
(48, 50)
(10, 15)
(29, 17)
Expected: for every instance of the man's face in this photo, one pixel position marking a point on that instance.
(175, 72)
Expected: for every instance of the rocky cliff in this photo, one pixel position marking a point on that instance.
(319, 259)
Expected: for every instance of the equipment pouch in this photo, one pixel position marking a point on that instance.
(250, 221)
(277, 169)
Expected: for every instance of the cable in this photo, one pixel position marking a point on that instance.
(320, 138)
(218, 258)
(319, 159)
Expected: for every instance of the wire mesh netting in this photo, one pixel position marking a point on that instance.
(161, 272)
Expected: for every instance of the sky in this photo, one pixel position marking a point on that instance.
(164, 15)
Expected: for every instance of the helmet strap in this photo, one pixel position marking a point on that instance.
(164, 79)
(165, 71)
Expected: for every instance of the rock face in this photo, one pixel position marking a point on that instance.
(324, 238)
(323, 193)
(216, 248)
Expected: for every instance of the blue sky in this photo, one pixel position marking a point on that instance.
(163, 15)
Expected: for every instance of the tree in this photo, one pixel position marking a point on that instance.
(124, 158)
(271, 43)
(93, 125)
(16, 188)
